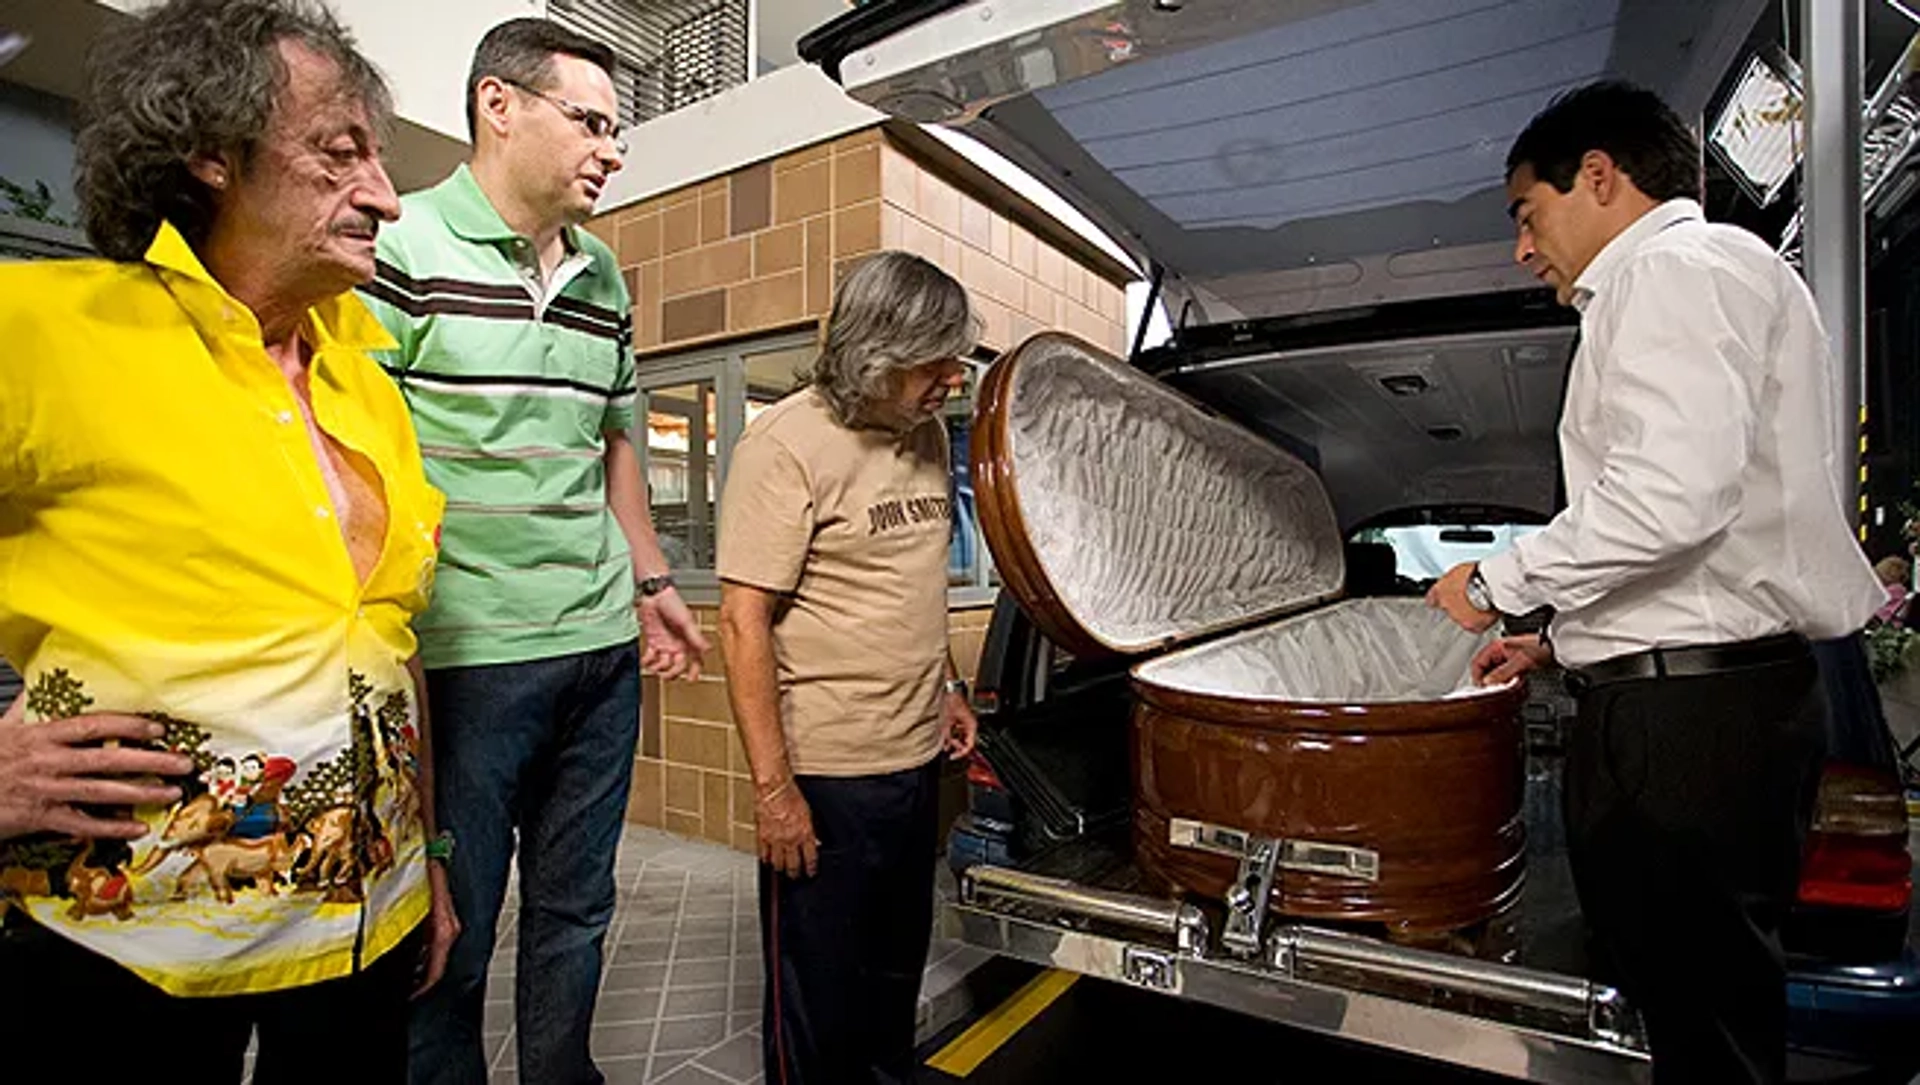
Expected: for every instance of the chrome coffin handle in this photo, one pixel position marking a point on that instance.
(1260, 858)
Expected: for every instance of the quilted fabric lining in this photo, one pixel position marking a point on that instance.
(1361, 650)
(1151, 518)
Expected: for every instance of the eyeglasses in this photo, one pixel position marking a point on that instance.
(592, 121)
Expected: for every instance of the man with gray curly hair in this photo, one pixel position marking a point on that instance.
(833, 620)
(214, 534)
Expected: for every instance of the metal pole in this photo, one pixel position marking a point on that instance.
(1832, 45)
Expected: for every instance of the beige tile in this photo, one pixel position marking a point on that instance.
(742, 789)
(701, 745)
(921, 240)
(951, 249)
(899, 179)
(1041, 303)
(938, 204)
(650, 734)
(764, 303)
(645, 799)
(1000, 233)
(865, 137)
(751, 192)
(819, 264)
(978, 275)
(716, 790)
(802, 192)
(639, 239)
(856, 230)
(745, 840)
(713, 218)
(976, 224)
(717, 185)
(819, 152)
(680, 227)
(702, 700)
(782, 248)
(693, 316)
(996, 325)
(1050, 267)
(892, 227)
(1023, 250)
(856, 176)
(683, 788)
(1023, 328)
(708, 266)
(646, 309)
(686, 825)
(737, 762)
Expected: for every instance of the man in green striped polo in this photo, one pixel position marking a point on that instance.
(515, 357)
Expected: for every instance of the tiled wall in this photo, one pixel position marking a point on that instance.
(759, 250)
(690, 776)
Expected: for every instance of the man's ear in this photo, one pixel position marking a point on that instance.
(214, 170)
(490, 103)
(1603, 175)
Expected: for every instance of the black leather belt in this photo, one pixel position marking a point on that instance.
(1688, 662)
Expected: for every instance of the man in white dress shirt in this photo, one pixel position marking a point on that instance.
(1705, 539)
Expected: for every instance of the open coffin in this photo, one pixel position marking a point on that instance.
(1127, 519)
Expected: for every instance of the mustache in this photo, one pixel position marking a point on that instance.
(356, 225)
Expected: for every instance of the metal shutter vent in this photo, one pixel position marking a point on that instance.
(672, 53)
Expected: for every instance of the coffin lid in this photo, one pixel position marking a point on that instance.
(1126, 518)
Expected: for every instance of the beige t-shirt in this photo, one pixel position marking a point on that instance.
(851, 527)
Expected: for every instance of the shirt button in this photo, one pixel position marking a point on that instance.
(321, 512)
(285, 418)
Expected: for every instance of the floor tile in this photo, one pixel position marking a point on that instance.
(739, 1058)
(694, 1002)
(624, 1007)
(690, 1033)
(692, 1074)
(614, 1041)
(699, 973)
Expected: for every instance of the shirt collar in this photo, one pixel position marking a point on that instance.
(1615, 253)
(470, 214)
(339, 321)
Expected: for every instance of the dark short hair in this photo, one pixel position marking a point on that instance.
(1639, 131)
(187, 78)
(522, 51)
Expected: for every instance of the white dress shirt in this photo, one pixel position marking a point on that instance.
(1699, 444)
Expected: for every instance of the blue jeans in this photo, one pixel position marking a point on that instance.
(544, 749)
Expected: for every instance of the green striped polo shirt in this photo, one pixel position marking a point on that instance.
(513, 385)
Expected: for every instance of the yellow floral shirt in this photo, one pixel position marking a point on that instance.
(168, 547)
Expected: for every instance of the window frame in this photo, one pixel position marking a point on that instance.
(724, 365)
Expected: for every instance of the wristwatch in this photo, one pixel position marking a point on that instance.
(955, 685)
(654, 585)
(1477, 594)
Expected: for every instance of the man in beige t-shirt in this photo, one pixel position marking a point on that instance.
(833, 619)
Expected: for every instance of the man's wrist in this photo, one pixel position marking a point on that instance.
(649, 586)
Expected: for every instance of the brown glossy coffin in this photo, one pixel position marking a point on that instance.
(1128, 520)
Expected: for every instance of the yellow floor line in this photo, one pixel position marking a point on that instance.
(971, 1048)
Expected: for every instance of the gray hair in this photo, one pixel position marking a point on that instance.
(521, 51)
(893, 311)
(186, 79)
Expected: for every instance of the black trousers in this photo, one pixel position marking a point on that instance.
(1687, 800)
(65, 1010)
(844, 949)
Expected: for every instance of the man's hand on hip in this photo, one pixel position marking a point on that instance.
(670, 638)
(49, 770)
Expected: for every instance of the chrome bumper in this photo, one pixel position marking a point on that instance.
(1514, 1021)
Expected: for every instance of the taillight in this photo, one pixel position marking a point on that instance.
(1857, 850)
(981, 774)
